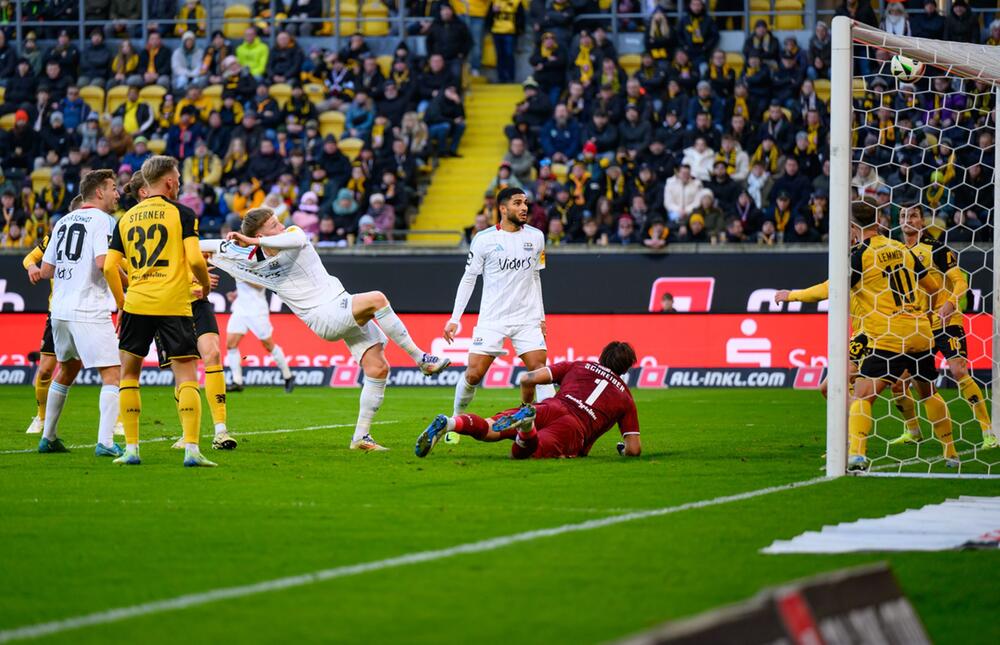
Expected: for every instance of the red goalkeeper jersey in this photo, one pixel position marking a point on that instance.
(597, 397)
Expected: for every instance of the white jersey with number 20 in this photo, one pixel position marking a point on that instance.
(79, 291)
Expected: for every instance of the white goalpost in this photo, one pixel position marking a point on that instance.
(875, 118)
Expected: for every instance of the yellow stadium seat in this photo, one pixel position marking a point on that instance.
(315, 92)
(280, 92)
(560, 171)
(630, 63)
(236, 19)
(376, 21)
(789, 21)
(858, 88)
(734, 61)
(93, 96)
(7, 121)
(116, 96)
(40, 179)
(152, 92)
(157, 146)
(385, 64)
(605, 5)
(347, 21)
(822, 86)
(489, 52)
(331, 122)
(213, 93)
(351, 147)
(3, 93)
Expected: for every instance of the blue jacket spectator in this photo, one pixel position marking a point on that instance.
(560, 136)
(705, 101)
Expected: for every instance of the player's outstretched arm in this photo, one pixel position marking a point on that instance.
(814, 293)
(529, 380)
(31, 262)
(113, 275)
(47, 271)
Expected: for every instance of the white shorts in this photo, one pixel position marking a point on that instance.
(335, 321)
(259, 325)
(95, 343)
(524, 338)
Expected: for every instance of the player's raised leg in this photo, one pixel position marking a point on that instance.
(465, 424)
(374, 305)
(58, 391)
(376, 370)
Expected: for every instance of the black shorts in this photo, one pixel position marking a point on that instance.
(204, 318)
(881, 364)
(174, 336)
(950, 341)
(48, 345)
(858, 348)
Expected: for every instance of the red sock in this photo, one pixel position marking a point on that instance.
(472, 425)
(525, 445)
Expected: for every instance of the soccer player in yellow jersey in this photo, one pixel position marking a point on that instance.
(946, 317)
(886, 278)
(157, 242)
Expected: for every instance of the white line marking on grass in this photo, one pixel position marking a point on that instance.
(238, 434)
(228, 593)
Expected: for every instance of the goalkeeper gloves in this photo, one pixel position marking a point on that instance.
(621, 448)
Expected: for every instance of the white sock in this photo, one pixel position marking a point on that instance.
(220, 428)
(234, 361)
(396, 330)
(191, 449)
(546, 391)
(279, 358)
(372, 394)
(109, 415)
(451, 424)
(463, 395)
(53, 408)
(132, 447)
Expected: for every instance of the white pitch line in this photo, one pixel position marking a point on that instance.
(277, 584)
(238, 434)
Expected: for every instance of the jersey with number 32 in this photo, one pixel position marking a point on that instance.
(79, 291)
(598, 397)
(151, 237)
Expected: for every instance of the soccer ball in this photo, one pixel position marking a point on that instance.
(906, 69)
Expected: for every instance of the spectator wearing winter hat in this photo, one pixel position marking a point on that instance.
(368, 233)
(186, 62)
(962, 25)
(800, 232)
(306, 216)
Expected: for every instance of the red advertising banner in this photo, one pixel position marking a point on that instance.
(665, 340)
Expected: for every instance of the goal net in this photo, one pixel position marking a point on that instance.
(916, 150)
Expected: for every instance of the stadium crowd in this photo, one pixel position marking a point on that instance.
(694, 146)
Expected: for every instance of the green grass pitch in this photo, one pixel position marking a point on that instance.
(80, 535)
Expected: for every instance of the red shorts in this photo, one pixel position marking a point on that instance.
(560, 433)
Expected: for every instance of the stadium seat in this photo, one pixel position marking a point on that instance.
(40, 178)
(605, 5)
(7, 121)
(3, 93)
(280, 92)
(236, 19)
(759, 10)
(489, 53)
(859, 88)
(153, 95)
(789, 21)
(93, 96)
(560, 171)
(630, 63)
(347, 21)
(385, 64)
(214, 93)
(351, 147)
(331, 122)
(116, 96)
(734, 61)
(315, 92)
(822, 86)
(157, 146)
(376, 21)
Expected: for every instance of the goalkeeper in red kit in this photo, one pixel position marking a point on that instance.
(592, 398)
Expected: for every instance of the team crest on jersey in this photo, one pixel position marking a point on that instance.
(528, 246)
(477, 341)
(273, 265)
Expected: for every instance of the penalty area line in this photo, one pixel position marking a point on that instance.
(278, 584)
(236, 434)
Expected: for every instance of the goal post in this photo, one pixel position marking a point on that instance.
(868, 127)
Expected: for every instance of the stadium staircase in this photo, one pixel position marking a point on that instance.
(456, 192)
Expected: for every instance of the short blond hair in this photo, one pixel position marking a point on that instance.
(254, 219)
(157, 167)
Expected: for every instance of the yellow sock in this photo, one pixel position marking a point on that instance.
(189, 410)
(42, 395)
(859, 426)
(908, 408)
(129, 408)
(215, 392)
(971, 393)
(937, 412)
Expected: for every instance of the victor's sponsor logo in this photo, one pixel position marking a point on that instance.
(514, 264)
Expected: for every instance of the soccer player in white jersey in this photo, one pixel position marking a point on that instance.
(510, 257)
(82, 303)
(283, 260)
(251, 313)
